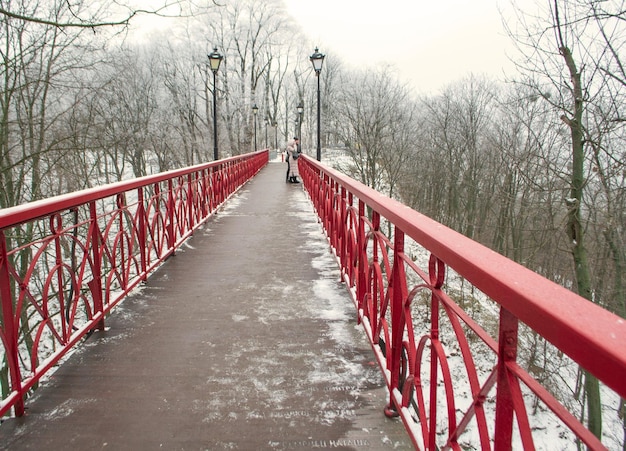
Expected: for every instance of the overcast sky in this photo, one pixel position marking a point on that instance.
(430, 43)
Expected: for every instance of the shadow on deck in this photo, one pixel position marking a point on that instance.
(246, 339)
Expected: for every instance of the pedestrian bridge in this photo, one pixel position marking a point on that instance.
(218, 307)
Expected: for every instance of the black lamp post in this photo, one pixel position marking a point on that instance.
(255, 110)
(318, 59)
(215, 58)
(267, 121)
(300, 109)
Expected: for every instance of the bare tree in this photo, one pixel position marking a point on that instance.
(458, 125)
(38, 66)
(581, 78)
(183, 83)
(79, 18)
(527, 219)
(377, 127)
(248, 34)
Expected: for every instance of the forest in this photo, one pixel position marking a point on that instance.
(533, 166)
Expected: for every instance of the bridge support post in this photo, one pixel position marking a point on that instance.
(399, 294)
(95, 285)
(191, 199)
(361, 245)
(171, 239)
(141, 233)
(506, 383)
(7, 322)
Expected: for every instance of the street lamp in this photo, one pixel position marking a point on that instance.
(300, 109)
(255, 110)
(267, 121)
(318, 59)
(215, 58)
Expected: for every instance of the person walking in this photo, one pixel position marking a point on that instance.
(293, 152)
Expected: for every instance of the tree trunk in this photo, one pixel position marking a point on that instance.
(575, 229)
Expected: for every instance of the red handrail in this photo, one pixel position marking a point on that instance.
(66, 261)
(386, 283)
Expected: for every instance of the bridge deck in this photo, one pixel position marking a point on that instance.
(244, 340)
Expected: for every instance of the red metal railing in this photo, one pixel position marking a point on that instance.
(426, 343)
(66, 261)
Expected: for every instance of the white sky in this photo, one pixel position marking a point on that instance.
(430, 43)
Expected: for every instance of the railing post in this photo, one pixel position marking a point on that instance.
(335, 219)
(329, 184)
(398, 295)
(361, 246)
(217, 185)
(141, 233)
(171, 210)
(342, 228)
(434, 367)
(354, 249)
(95, 285)
(190, 202)
(122, 208)
(204, 193)
(210, 189)
(228, 179)
(507, 352)
(8, 326)
(56, 227)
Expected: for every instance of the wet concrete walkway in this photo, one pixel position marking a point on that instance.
(246, 340)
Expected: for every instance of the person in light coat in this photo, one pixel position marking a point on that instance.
(293, 152)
